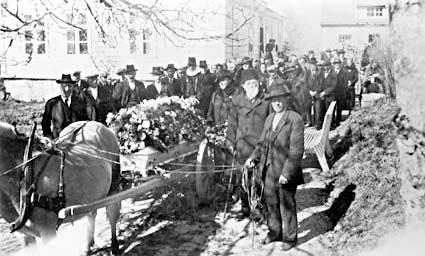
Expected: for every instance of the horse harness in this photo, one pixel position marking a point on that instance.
(29, 198)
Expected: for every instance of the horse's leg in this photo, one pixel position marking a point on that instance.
(91, 218)
(113, 213)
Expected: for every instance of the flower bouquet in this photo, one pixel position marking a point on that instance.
(159, 123)
(217, 135)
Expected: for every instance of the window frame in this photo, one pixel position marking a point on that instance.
(33, 37)
(76, 39)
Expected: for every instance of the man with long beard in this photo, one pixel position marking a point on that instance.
(246, 119)
(278, 154)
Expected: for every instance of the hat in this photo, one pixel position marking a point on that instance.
(327, 63)
(245, 60)
(277, 89)
(249, 74)
(191, 61)
(311, 51)
(157, 71)
(92, 75)
(224, 74)
(77, 72)
(341, 51)
(203, 64)
(121, 71)
(313, 60)
(336, 61)
(328, 50)
(104, 74)
(66, 79)
(291, 67)
(130, 68)
(171, 66)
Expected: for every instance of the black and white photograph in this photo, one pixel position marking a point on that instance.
(212, 127)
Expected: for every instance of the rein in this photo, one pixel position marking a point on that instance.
(27, 192)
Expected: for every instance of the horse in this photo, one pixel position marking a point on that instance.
(90, 172)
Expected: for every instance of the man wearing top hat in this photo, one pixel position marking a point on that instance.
(80, 84)
(172, 84)
(157, 88)
(62, 110)
(97, 100)
(131, 91)
(192, 79)
(278, 157)
(245, 123)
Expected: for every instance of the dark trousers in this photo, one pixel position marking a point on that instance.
(319, 113)
(340, 104)
(351, 99)
(281, 212)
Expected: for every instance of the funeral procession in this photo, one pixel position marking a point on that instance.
(212, 127)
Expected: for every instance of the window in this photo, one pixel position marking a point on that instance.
(375, 11)
(146, 37)
(133, 43)
(344, 38)
(77, 39)
(35, 37)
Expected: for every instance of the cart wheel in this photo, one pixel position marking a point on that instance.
(205, 166)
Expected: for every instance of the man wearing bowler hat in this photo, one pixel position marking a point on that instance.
(278, 156)
(133, 91)
(172, 84)
(206, 87)
(62, 110)
(245, 123)
(157, 88)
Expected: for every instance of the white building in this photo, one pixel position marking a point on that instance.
(353, 22)
(215, 31)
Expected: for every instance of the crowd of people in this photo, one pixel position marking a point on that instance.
(266, 103)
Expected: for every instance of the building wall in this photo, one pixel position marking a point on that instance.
(359, 35)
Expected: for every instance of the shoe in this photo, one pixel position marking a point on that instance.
(269, 239)
(286, 246)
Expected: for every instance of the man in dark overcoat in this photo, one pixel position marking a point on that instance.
(130, 92)
(340, 90)
(352, 79)
(329, 86)
(173, 85)
(206, 88)
(80, 84)
(314, 79)
(62, 110)
(98, 101)
(245, 123)
(157, 88)
(278, 154)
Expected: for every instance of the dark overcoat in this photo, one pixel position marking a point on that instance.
(341, 85)
(220, 106)
(174, 87)
(329, 85)
(205, 91)
(122, 92)
(246, 121)
(280, 152)
(97, 109)
(57, 115)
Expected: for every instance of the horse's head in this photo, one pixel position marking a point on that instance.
(12, 146)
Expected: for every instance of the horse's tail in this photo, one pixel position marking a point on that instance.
(116, 175)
